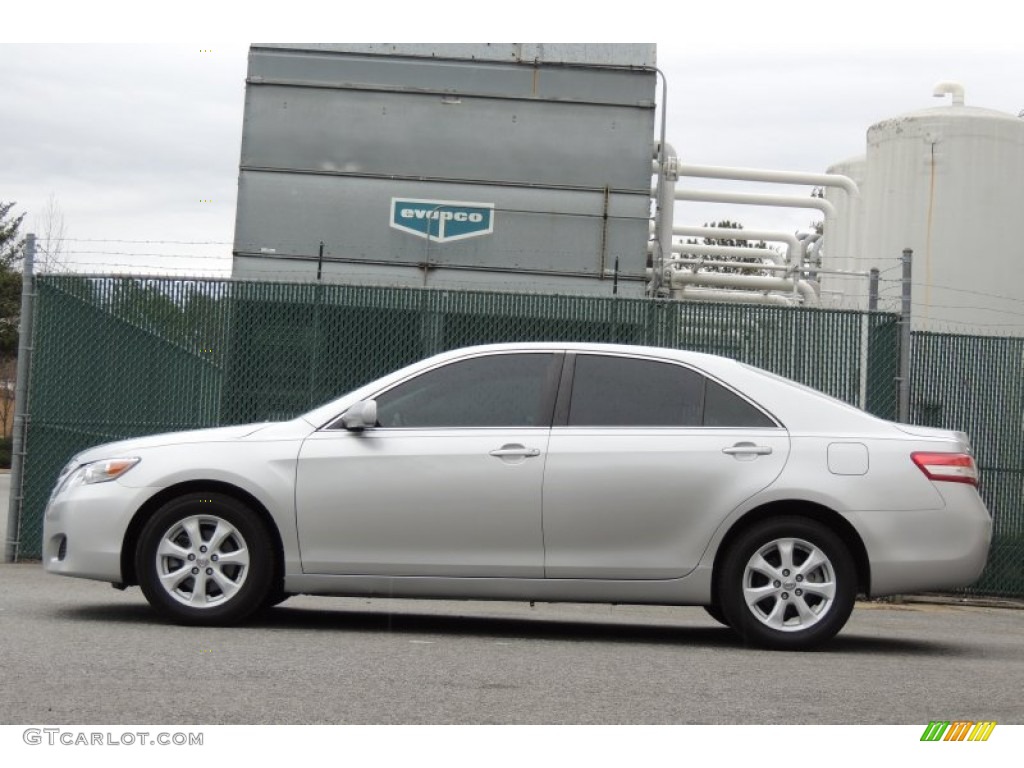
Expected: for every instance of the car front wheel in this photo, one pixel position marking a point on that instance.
(787, 583)
(715, 612)
(205, 558)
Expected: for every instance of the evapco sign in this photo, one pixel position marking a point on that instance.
(442, 220)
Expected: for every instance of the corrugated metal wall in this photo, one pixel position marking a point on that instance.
(560, 151)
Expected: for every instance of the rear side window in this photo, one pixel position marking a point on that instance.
(723, 408)
(628, 392)
(624, 392)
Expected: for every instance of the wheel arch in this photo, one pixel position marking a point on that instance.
(799, 508)
(155, 502)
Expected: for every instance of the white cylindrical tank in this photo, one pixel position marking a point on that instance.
(844, 240)
(949, 183)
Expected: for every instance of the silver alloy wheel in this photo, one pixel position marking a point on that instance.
(789, 584)
(202, 561)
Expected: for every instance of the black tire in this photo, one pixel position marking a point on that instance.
(274, 597)
(808, 594)
(205, 559)
(715, 612)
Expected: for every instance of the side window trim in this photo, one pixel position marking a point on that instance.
(552, 389)
(564, 397)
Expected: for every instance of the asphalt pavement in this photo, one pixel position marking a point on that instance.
(80, 652)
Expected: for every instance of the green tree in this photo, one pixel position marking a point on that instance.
(10, 315)
(10, 243)
(10, 280)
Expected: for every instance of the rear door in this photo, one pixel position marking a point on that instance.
(645, 460)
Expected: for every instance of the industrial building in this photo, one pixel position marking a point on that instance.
(541, 168)
(490, 166)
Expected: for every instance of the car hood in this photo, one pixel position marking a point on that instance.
(214, 435)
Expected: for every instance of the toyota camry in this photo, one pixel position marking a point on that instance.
(540, 472)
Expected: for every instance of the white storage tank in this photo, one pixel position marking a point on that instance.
(948, 182)
(844, 244)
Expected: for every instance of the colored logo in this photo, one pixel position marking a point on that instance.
(442, 220)
(958, 730)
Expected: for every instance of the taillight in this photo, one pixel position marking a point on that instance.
(948, 467)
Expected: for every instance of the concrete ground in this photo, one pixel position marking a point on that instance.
(76, 651)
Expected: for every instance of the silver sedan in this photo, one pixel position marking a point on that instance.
(548, 472)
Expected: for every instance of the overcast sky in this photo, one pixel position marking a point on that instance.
(140, 142)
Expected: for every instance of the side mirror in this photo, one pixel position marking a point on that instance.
(360, 416)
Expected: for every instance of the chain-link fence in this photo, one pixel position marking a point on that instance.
(118, 357)
(976, 384)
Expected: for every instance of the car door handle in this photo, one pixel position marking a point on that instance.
(748, 449)
(516, 450)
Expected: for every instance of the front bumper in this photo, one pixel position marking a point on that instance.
(84, 529)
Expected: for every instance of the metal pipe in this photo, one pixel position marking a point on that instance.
(751, 266)
(20, 403)
(764, 175)
(659, 190)
(904, 322)
(956, 90)
(749, 198)
(771, 236)
(733, 297)
(667, 205)
(680, 278)
(725, 250)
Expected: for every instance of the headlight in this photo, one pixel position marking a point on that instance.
(107, 469)
(96, 472)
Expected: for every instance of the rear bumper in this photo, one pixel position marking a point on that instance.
(930, 550)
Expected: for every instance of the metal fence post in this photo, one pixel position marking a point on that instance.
(904, 372)
(873, 289)
(20, 404)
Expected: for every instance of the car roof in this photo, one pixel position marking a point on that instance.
(696, 358)
(711, 364)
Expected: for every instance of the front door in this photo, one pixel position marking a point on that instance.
(448, 484)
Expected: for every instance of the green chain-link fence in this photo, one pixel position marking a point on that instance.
(976, 384)
(117, 357)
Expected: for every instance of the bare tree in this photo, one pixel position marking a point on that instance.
(52, 234)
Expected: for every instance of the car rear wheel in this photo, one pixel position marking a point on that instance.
(205, 558)
(787, 583)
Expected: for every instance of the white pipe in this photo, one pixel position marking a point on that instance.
(681, 278)
(668, 176)
(730, 264)
(846, 272)
(733, 297)
(748, 198)
(661, 212)
(956, 90)
(770, 236)
(780, 177)
(766, 254)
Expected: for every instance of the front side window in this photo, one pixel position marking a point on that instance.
(510, 390)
